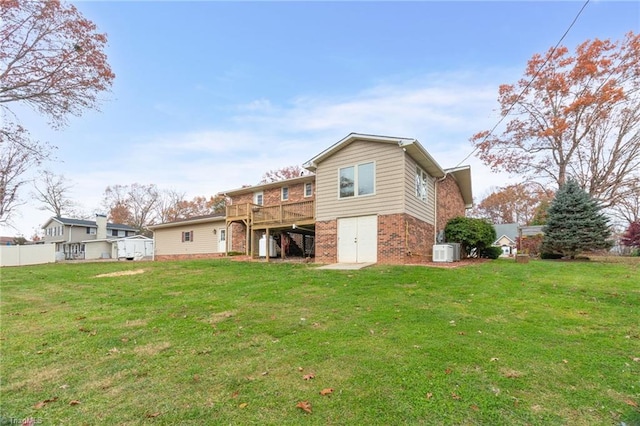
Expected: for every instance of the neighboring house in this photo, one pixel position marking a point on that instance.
(507, 234)
(71, 235)
(369, 199)
(197, 237)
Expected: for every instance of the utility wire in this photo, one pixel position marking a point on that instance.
(575, 19)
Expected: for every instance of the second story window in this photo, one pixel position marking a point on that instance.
(356, 181)
(422, 180)
(285, 193)
(308, 189)
(258, 198)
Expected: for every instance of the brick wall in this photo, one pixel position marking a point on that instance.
(450, 202)
(327, 241)
(238, 237)
(403, 239)
(166, 257)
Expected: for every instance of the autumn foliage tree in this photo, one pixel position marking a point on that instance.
(573, 116)
(288, 172)
(518, 203)
(631, 237)
(52, 60)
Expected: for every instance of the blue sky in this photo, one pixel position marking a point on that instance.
(210, 95)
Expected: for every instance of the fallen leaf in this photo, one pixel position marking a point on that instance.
(300, 368)
(153, 415)
(45, 402)
(631, 403)
(309, 376)
(495, 359)
(429, 395)
(636, 359)
(455, 396)
(264, 373)
(243, 405)
(326, 391)
(448, 371)
(565, 361)
(196, 378)
(474, 407)
(235, 394)
(461, 333)
(304, 406)
(74, 402)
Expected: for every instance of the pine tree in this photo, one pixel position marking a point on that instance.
(575, 223)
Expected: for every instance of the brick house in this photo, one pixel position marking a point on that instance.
(366, 198)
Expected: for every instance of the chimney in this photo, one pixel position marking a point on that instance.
(101, 222)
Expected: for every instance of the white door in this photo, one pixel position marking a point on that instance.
(222, 240)
(358, 239)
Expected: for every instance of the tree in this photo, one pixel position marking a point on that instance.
(288, 172)
(474, 235)
(575, 223)
(18, 154)
(180, 208)
(512, 204)
(631, 237)
(573, 117)
(131, 205)
(51, 59)
(53, 193)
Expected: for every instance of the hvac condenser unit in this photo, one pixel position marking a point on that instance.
(442, 253)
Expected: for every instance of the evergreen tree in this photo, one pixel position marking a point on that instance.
(575, 223)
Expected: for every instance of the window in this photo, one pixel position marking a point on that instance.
(258, 198)
(285, 193)
(187, 236)
(223, 235)
(91, 231)
(422, 180)
(357, 180)
(308, 189)
(114, 232)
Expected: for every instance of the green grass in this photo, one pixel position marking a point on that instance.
(221, 342)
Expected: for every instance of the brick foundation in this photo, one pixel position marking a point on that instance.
(327, 241)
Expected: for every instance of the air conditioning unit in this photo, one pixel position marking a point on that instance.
(456, 251)
(443, 253)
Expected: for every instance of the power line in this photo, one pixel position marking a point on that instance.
(575, 19)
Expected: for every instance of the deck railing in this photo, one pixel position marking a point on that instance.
(276, 215)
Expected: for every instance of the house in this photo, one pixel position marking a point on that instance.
(507, 234)
(197, 237)
(367, 198)
(71, 235)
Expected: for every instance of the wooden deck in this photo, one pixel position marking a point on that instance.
(259, 217)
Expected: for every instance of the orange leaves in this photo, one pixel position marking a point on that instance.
(326, 391)
(304, 406)
(309, 376)
(41, 404)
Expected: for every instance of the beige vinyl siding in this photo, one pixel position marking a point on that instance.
(414, 205)
(168, 241)
(388, 198)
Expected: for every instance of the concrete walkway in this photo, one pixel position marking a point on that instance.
(346, 266)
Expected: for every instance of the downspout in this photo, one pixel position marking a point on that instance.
(435, 206)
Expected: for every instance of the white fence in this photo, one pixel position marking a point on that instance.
(27, 255)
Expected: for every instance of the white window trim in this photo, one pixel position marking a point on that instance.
(255, 197)
(355, 180)
(310, 189)
(418, 181)
(282, 191)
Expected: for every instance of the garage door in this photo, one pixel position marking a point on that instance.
(358, 239)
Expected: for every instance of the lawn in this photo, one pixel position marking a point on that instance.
(222, 342)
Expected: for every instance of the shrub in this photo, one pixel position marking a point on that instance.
(471, 233)
(491, 252)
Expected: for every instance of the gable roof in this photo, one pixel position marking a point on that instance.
(509, 230)
(414, 149)
(216, 217)
(89, 223)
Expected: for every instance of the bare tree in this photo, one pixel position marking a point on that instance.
(51, 59)
(132, 205)
(166, 207)
(18, 153)
(53, 192)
